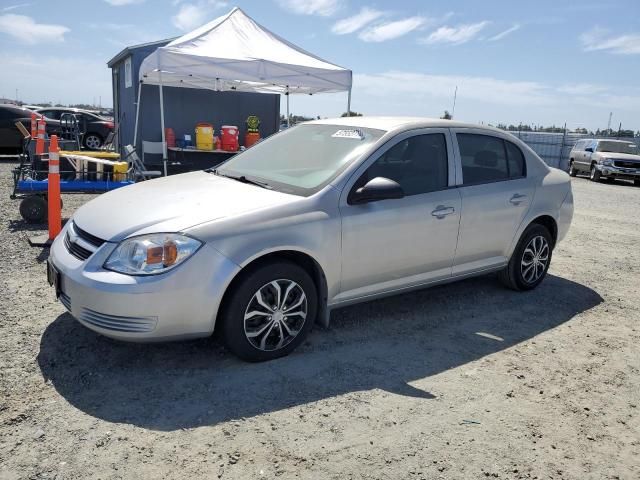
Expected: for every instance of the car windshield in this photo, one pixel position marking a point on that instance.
(303, 159)
(618, 147)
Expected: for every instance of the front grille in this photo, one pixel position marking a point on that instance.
(81, 244)
(626, 164)
(118, 323)
(65, 300)
(87, 237)
(75, 249)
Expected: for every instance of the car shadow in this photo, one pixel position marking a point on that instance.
(382, 344)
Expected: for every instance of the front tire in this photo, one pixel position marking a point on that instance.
(595, 174)
(572, 170)
(530, 260)
(636, 182)
(270, 311)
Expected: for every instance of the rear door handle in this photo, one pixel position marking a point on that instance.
(442, 211)
(517, 199)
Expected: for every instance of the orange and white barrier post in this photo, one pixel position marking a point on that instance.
(34, 124)
(42, 128)
(55, 215)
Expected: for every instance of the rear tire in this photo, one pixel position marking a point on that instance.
(530, 260)
(269, 312)
(572, 170)
(595, 174)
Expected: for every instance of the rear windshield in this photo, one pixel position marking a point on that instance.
(618, 147)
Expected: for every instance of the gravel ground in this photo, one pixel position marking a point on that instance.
(467, 380)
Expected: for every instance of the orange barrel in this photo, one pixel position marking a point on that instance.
(204, 136)
(170, 137)
(251, 138)
(229, 138)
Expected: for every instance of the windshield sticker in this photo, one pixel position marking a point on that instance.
(354, 133)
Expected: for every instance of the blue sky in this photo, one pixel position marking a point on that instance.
(539, 61)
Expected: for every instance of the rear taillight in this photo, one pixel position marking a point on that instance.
(109, 124)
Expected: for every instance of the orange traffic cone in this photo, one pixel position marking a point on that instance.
(55, 214)
(42, 129)
(34, 124)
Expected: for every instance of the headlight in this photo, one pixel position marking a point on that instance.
(607, 161)
(151, 254)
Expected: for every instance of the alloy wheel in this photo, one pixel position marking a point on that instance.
(535, 259)
(93, 142)
(275, 315)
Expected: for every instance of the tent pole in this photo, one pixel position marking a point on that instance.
(135, 130)
(349, 103)
(288, 118)
(164, 144)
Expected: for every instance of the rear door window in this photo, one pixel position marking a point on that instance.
(483, 157)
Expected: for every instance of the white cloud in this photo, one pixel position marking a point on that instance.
(193, 15)
(357, 21)
(390, 30)
(582, 89)
(324, 8)
(26, 30)
(601, 39)
(454, 35)
(120, 3)
(504, 33)
(13, 7)
(418, 85)
(69, 79)
(409, 92)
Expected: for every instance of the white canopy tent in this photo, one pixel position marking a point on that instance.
(233, 52)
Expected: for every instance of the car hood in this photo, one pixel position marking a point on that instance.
(619, 156)
(172, 204)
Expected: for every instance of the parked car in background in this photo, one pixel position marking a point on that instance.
(606, 158)
(94, 128)
(10, 137)
(324, 214)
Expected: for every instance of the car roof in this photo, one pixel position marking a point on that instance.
(398, 123)
(11, 106)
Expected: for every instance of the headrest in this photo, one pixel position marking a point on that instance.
(486, 158)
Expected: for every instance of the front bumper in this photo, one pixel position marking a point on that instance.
(619, 172)
(181, 303)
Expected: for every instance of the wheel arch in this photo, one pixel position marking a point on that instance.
(303, 259)
(550, 224)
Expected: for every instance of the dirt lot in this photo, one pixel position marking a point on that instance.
(462, 381)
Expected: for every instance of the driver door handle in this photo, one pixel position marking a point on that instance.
(442, 211)
(517, 199)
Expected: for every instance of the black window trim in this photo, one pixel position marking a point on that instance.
(389, 145)
(504, 146)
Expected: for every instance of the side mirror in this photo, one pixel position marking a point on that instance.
(588, 149)
(379, 188)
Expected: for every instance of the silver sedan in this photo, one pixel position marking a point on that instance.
(322, 215)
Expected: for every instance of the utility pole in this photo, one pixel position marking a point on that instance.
(455, 96)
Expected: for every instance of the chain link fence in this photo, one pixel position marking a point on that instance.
(554, 148)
